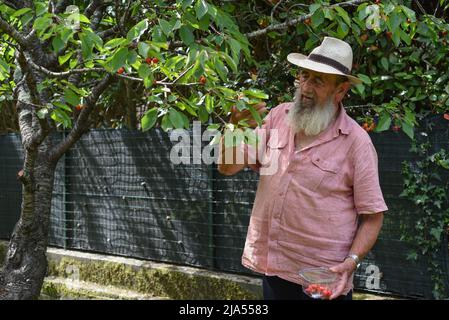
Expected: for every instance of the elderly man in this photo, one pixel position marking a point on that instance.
(322, 206)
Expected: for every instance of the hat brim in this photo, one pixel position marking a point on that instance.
(303, 62)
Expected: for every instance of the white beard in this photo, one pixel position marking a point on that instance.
(310, 120)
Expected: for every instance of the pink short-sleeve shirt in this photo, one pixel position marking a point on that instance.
(306, 209)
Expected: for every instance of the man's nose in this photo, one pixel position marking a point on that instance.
(306, 86)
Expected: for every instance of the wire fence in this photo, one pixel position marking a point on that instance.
(117, 192)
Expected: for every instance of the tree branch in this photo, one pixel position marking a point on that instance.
(82, 124)
(285, 25)
(13, 33)
(61, 6)
(63, 74)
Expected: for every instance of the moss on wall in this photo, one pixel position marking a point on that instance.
(157, 282)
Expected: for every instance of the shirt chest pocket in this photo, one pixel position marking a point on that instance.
(274, 153)
(317, 173)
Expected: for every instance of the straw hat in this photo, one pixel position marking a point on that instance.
(333, 56)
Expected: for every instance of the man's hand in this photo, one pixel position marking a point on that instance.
(345, 270)
(237, 116)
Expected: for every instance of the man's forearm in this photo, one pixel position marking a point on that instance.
(367, 234)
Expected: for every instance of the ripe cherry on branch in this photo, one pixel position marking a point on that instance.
(121, 70)
(202, 80)
(79, 107)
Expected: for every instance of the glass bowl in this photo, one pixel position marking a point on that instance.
(319, 282)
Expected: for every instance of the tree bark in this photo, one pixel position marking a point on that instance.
(23, 273)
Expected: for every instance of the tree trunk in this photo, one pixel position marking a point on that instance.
(25, 267)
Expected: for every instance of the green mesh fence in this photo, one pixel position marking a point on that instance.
(117, 192)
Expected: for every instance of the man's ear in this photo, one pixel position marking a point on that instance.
(341, 91)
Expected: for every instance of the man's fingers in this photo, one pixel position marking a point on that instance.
(341, 286)
(252, 123)
(260, 105)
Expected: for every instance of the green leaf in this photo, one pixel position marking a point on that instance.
(57, 44)
(409, 13)
(405, 37)
(42, 113)
(408, 129)
(364, 78)
(176, 119)
(87, 44)
(119, 58)
(209, 103)
(200, 8)
(42, 23)
(436, 233)
(20, 12)
(342, 30)
(137, 31)
(230, 62)
(143, 49)
(71, 97)
(384, 62)
(144, 71)
(165, 123)
(115, 43)
(186, 3)
(221, 69)
(317, 18)
(149, 119)
(62, 106)
(256, 93)
(235, 47)
(82, 18)
(167, 28)
(186, 35)
(60, 116)
(203, 114)
(384, 123)
(4, 65)
(314, 7)
(342, 13)
(255, 114)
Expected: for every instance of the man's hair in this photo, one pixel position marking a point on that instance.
(340, 79)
